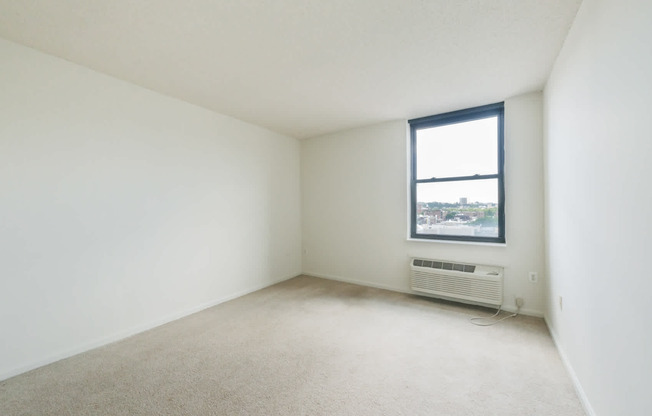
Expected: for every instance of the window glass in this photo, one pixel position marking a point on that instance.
(466, 208)
(460, 149)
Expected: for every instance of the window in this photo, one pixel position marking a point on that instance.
(457, 181)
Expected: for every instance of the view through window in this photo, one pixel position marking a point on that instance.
(457, 175)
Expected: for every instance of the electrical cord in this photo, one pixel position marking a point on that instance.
(477, 320)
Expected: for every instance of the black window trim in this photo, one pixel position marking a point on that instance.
(469, 114)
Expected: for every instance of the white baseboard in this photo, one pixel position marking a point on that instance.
(359, 282)
(523, 311)
(131, 331)
(576, 382)
(528, 312)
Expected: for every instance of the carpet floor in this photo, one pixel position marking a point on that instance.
(311, 346)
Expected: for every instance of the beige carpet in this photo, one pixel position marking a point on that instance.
(310, 346)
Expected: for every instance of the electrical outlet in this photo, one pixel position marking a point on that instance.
(519, 302)
(533, 277)
(561, 303)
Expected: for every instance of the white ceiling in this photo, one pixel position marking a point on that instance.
(306, 67)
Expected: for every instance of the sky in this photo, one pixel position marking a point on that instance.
(462, 149)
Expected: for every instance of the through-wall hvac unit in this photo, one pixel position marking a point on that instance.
(461, 281)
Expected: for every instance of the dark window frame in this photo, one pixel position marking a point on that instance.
(469, 114)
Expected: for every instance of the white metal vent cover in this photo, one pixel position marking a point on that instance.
(454, 280)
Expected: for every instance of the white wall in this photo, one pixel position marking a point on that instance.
(599, 230)
(354, 201)
(121, 208)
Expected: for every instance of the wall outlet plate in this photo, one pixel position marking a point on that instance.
(533, 277)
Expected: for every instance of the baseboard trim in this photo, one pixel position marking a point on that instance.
(571, 372)
(359, 282)
(523, 311)
(528, 312)
(133, 331)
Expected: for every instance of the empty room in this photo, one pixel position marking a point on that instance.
(345, 207)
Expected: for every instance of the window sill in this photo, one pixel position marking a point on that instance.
(465, 243)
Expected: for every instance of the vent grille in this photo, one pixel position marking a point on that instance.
(467, 268)
(465, 282)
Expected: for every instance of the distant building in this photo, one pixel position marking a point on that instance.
(463, 201)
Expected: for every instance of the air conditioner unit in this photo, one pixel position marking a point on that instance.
(472, 283)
